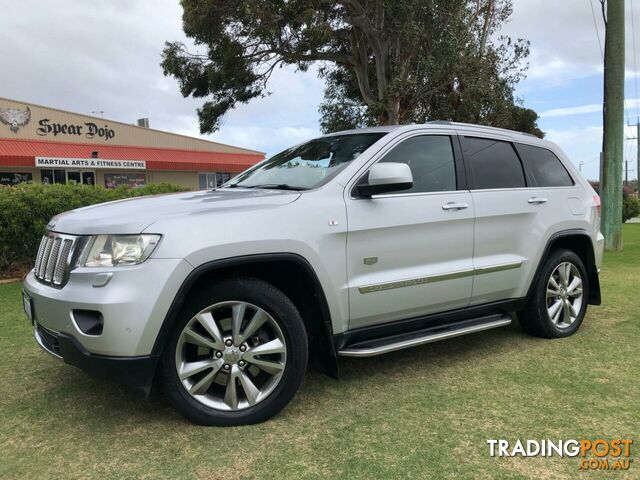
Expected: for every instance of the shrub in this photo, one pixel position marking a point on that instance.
(630, 207)
(26, 209)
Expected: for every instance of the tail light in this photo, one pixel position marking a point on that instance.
(596, 200)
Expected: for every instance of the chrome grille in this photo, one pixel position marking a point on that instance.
(53, 259)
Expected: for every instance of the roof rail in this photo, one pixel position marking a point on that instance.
(462, 124)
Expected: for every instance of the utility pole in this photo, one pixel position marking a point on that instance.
(626, 172)
(637, 139)
(613, 126)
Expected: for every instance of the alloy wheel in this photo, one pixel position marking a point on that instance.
(564, 295)
(231, 355)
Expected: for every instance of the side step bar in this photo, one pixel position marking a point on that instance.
(370, 348)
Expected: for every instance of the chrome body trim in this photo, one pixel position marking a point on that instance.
(498, 268)
(433, 337)
(410, 282)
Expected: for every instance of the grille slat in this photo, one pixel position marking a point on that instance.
(45, 257)
(40, 254)
(62, 262)
(53, 257)
(53, 260)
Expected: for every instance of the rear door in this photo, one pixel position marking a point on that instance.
(564, 199)
(409, 253)
(509, 226)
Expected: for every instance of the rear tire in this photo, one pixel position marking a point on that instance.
(558, 302)
(237, 354)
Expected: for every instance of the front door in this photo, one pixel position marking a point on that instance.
(409, 253)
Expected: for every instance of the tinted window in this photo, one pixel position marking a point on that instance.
(431, 161)
(544, 167)
(494, 163)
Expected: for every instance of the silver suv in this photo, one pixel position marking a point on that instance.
(354, 244)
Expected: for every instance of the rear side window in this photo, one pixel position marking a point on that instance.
(544, 167)
(430, 158)
(494, 163)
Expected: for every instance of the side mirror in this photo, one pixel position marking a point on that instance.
(386, 177)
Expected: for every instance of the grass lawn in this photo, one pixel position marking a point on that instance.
(423, 413)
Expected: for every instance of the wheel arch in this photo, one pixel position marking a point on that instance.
(579, 242)
(290, 273)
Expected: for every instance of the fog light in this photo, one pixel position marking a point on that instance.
(89, 322)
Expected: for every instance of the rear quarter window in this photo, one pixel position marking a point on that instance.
(543, 167)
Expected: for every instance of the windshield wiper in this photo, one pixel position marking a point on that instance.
(275, 186)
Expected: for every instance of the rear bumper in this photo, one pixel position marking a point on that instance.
(136, 373)
(599, 249)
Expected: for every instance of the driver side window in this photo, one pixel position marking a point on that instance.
(430, 158)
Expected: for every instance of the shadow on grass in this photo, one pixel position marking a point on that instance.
(107, 403)
(438, 354)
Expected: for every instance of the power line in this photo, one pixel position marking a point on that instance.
(635, 64)
(595, 25)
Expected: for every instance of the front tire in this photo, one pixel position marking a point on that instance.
(558, 303)
(237, 354)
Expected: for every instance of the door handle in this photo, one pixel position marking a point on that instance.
(454, 206)
(537, 200)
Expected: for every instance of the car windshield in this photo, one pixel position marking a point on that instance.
(308, 165)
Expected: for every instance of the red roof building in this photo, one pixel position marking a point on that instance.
(42, 144)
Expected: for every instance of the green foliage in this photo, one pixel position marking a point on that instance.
(26, 209)
(630, 207)
(456, 71)
(384, 62)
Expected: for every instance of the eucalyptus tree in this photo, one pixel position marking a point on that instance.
(385, 61)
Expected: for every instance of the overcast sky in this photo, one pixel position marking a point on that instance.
(105, 56)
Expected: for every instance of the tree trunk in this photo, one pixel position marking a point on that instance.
(393, 111)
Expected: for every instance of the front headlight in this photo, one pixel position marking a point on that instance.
(115, 250)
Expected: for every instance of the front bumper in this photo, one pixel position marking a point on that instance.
(136, 373)
(133, 304)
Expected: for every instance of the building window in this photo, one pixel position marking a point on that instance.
(221, 178)
(13, 178)
(133, 180)
(211, 180)
(50, 176)
(206, 181)
(89, 178)
(74, 177)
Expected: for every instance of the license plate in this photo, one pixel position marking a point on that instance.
(27, 304)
